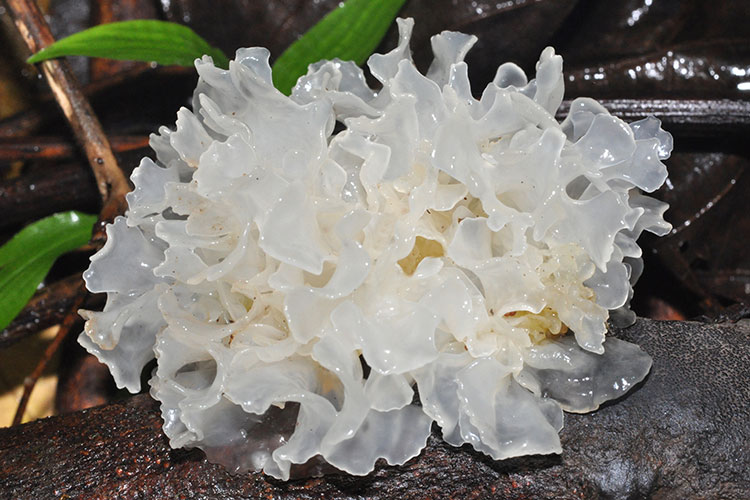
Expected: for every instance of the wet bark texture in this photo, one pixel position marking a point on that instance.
(683, 433)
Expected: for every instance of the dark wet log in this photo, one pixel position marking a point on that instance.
(682, 434)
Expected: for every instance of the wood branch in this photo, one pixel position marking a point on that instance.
(57, 148)
(689, 117)
(682, 434)
(111, 182)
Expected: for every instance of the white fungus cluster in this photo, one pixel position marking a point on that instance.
(300, 265)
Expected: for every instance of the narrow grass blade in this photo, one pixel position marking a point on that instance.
(140, 40)
(27, 258)
(351, 32)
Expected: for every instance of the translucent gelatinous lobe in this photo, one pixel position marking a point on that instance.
(278, 269)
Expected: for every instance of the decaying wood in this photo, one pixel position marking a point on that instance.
(682, 434)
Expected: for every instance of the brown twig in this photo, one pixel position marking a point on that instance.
(65, 326)
(57, 148)
(76, 108)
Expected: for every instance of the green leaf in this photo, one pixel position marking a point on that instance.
(27, 258)
(141, 40)
(351, 32)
